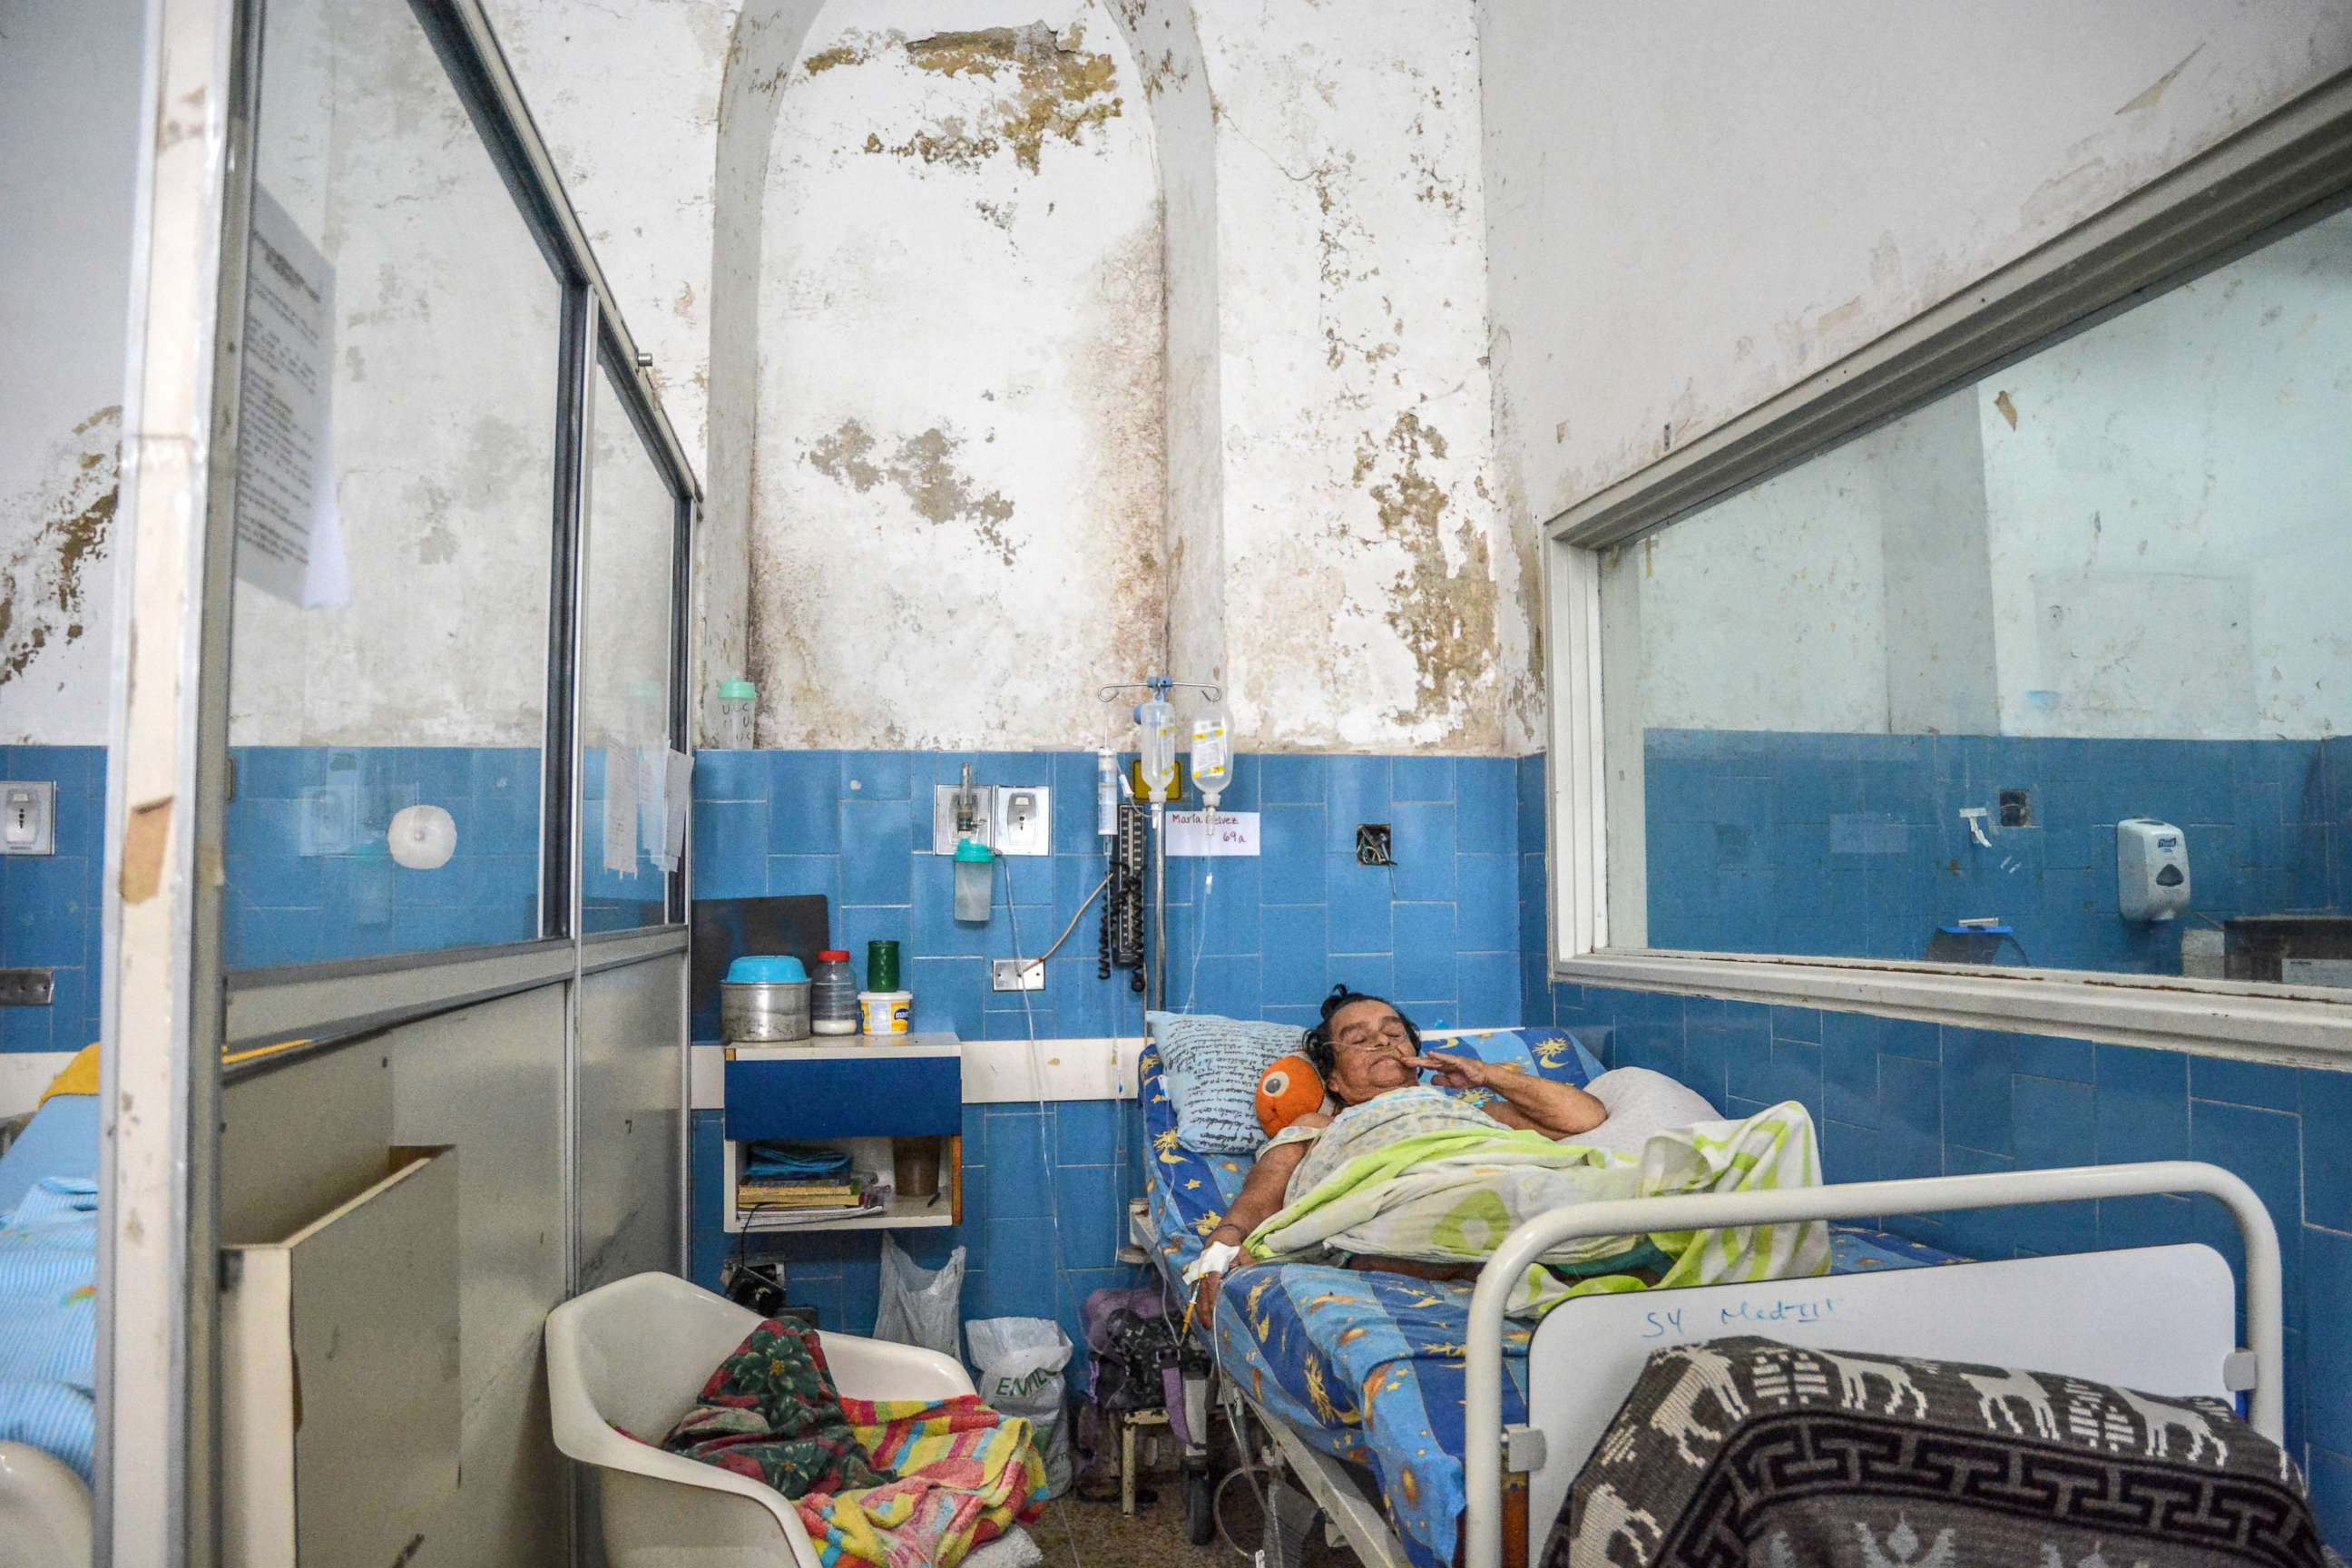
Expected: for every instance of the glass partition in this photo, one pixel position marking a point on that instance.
(2051, 672)
(395, 511)
(632, 820)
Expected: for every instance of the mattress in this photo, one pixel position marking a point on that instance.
(48, 1320)
(1366, 1366)
(60, 1141)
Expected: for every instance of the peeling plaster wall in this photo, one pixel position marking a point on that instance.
(68, 117)
(955, 467)
(1692, 208)
(1372, 599)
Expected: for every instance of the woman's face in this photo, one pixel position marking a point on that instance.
(1370, 1052)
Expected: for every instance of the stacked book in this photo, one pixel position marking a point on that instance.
(789, 1182)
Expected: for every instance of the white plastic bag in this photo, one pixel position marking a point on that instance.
(1021, 1361)
(919, 1307)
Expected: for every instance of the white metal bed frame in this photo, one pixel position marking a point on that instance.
(1530, 1466)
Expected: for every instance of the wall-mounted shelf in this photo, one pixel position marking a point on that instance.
(860, 1096)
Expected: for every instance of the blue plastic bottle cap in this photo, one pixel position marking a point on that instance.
(751, 970)
(969, 851)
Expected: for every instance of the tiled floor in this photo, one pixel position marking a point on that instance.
(1075, 1534)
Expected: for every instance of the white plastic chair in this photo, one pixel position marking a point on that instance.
(634, 1354)
(45, 1511)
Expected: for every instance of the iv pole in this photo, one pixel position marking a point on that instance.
(1156, 967)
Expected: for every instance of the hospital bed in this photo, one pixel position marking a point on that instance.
(1409, 1411)
(48, 1328)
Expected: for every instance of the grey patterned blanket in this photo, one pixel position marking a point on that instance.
(1748, 1451)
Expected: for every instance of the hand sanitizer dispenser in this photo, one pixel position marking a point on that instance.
(2151, 870)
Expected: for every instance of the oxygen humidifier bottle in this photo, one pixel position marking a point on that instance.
(1105, 796)
(1156, 722)
(974, 871)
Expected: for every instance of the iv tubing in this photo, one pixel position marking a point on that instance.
(1159, 850)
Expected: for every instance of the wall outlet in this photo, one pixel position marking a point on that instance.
(25, 987)
(1017, 974)
(1374, 844)
(1024, 820)
(29, 818)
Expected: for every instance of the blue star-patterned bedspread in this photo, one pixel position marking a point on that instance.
(1369, 1366)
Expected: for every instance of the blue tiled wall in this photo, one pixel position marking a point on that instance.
(286, 906)
(1256, 938)
(1894, 1099)
(52, 907)
(1854, 845)
(1031, 1249)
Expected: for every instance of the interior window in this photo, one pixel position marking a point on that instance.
(2050, 671)
(397, 417)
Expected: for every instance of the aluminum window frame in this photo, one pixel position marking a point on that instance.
(2223, 203)
(593, 339)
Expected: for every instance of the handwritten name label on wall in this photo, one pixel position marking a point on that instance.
(1199, 833)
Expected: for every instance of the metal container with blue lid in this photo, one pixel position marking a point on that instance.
(763, 1000)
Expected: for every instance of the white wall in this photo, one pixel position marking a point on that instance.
(2170, 509)
(1690, 208)
(68, 120)
(446, 324)
(627, 100)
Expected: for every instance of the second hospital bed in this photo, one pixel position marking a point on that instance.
(1362, 1376)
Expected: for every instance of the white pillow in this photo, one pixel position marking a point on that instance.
(1640, 1102)
(1211, 1065)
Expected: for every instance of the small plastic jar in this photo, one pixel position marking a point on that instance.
(739, 711)
(833, 994)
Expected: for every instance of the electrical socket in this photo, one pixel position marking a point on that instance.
(26, 987)
(28, 818)
(1017, 974)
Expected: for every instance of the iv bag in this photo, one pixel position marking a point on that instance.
(1156, 724)
(1211, 753)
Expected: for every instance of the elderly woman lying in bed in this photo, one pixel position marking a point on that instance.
(1426, 1180)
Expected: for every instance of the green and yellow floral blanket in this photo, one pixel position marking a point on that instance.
(1418, 1174)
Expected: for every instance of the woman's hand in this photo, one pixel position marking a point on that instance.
(1205, 1300)
(1454, 1072)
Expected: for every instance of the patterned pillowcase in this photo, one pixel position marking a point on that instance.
(772, 1412)
(1556, 1054)
(1211, 1065)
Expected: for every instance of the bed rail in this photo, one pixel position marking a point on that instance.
(1483, 1416)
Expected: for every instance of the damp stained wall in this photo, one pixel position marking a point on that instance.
(1691, 208)
(68, 117)
(1370, 592)
(956, 480)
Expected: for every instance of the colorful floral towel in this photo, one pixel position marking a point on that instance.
(894, 1484)
(965, 1476)
(771, 1412)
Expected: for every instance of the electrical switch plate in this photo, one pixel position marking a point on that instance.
(952, 822)
(25, 987)
(1016, 975)
(29, 818)
(1024, 820)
